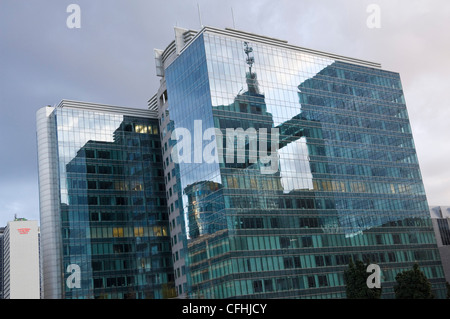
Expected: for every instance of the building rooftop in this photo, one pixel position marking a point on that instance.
(89, 106)
(184, 37)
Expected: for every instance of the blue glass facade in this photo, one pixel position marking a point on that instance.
(347, 182)
(112, 213)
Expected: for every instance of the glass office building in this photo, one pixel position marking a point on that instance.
(284, 163)
(104, 228)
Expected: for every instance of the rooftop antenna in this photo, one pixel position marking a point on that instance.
(199, 15)
(232, 16)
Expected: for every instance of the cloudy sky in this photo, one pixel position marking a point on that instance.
(110, 60)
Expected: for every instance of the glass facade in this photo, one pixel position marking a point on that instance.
(346, 182)
(444, 231)
(112, 212)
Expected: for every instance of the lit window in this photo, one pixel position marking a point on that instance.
(138, 231)
(117, 232)
(141, 129)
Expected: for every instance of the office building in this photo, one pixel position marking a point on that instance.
(258, 171)
(104, 228)
(21, 260)
(282, 164)
(440, 217)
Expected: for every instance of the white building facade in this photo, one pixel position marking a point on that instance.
(21, 260)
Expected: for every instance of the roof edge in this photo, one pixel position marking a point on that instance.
(282, 43)
(93, 107)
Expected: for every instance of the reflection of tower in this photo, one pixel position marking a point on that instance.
(204, 205)
(108, 187)
(249, 113)
(252, 82)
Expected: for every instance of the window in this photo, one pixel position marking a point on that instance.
(111, 282)
(98, 283)
(319, 261)
(413, 238)
(92, 185)
(255, 109)
(143, 129)
(323, 282)
(118, 232)
(297, 262)
(90, 154)
(121, 201)
(288, 262)
(274, 222)
(92, 200)
(104, 169)
(268, 285)
(252, 222)
(138, 231)
(282, 284)
(104, 155)
(257, 286)
(444, 230)
(307, 241)
(105, 185)
(285, 242)
(379, 239)
(311, 282)
(309, 222)
(391, 257)
(105, 200)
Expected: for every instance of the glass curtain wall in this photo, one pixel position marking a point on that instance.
(113, 207)
(346, 183)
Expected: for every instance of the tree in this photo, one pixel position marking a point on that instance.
(413, 284)
(356, 282)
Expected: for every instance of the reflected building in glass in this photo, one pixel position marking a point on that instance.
(440, 217)
(104, 227)
(327, 171)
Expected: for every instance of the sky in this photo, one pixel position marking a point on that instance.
(110, 60)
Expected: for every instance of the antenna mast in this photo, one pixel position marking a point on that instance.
(199, 15)
(232, 16)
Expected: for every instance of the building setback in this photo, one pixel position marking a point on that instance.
(102, 202)
(346, 183)
(21, 260)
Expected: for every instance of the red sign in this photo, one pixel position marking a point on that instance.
(23, 231)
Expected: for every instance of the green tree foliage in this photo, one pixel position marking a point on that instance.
(413, 284)
(356, 282)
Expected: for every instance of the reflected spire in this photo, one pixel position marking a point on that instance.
(252, 82)
(250, 59)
